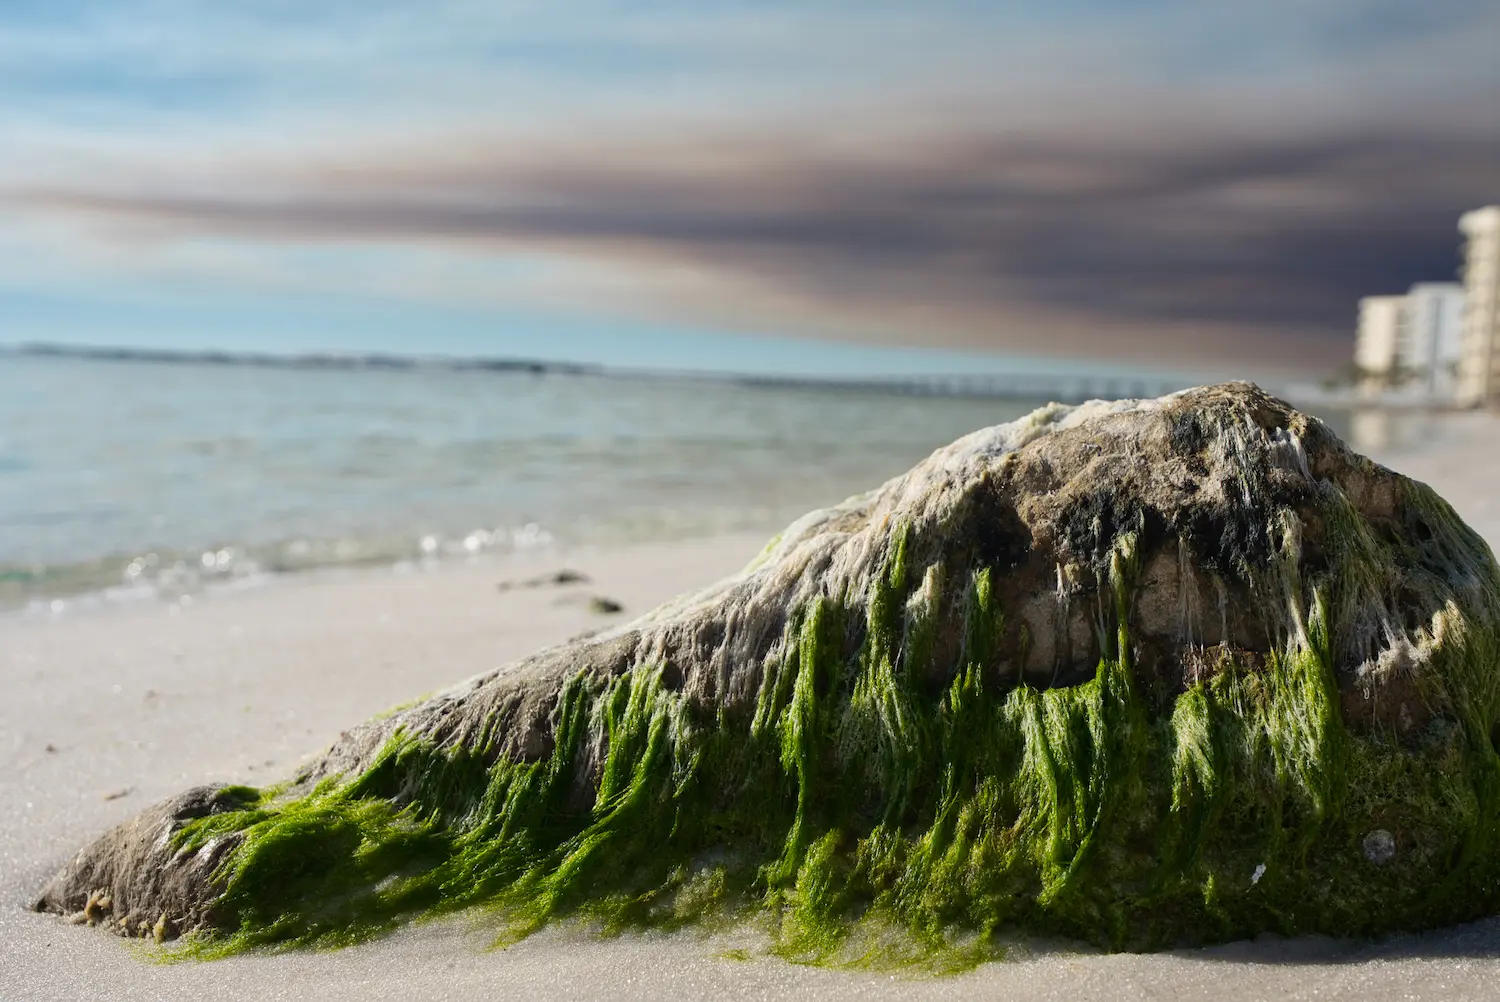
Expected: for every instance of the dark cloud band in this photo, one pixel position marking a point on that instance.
(1116, 246)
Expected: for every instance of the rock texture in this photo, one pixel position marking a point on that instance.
(1143, 672)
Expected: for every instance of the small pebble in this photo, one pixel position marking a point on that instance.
(604, 606)
(1379, 846)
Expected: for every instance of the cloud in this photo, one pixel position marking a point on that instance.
(1194, 241)
(1163, 180)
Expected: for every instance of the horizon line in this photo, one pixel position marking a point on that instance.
(1058, 386)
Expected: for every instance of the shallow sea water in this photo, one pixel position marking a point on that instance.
(132, 480)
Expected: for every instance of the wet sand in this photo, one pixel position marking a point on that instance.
(107, 711)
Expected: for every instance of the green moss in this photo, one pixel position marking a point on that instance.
(877, 808)
(759, 560)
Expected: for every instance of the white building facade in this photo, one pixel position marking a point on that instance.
(1432, 336)
(1479, 370)
(1413, 342)
(1377, 345)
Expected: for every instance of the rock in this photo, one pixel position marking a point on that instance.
(1379, 846)
(555, 579)
(1079, 674)
(134, 874)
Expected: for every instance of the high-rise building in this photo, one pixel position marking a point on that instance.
(1430, 342)
(1411, 342)
(1377, 346)
(1479, 371)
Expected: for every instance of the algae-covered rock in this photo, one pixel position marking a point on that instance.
(1144, 673)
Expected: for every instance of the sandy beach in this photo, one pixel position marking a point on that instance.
(109, 710)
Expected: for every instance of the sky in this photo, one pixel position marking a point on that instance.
(817, 187)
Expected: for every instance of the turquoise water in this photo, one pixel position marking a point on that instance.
(143, 478)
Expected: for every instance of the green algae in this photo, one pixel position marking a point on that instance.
(874, 807)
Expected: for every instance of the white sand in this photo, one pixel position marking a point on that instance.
(107, 711)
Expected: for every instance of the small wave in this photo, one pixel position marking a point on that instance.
(172, 576)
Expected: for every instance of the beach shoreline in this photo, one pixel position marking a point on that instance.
(114, 708)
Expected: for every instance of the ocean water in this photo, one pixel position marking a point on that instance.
(135, 479)
(127, 480)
